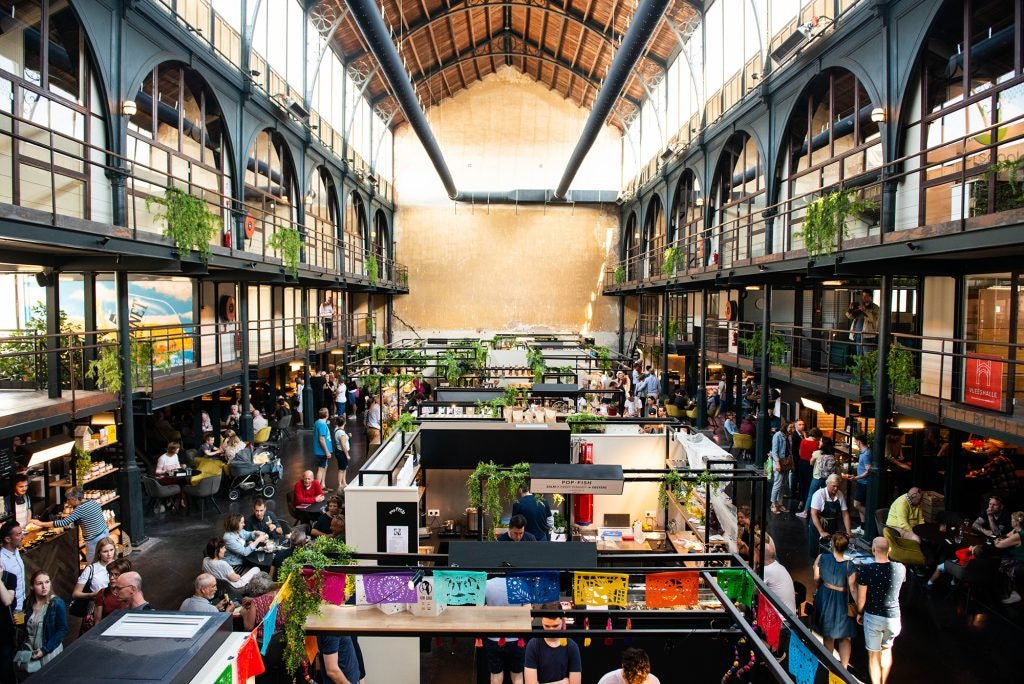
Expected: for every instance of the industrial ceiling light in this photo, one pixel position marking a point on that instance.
(129, 108)
(878, 115)
(813, 405)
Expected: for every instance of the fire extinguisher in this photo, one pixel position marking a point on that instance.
(583, 506)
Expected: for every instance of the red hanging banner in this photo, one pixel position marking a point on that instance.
(983, 382)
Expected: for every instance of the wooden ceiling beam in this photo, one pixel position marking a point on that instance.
(602, 31)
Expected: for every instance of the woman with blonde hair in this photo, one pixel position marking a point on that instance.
(231, 445)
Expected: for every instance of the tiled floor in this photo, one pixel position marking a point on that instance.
(942, 641)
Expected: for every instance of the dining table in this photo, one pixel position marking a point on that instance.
(309, 513)
(947, 538)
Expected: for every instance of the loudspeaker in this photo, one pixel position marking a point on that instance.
(46, 278)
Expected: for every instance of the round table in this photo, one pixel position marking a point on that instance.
(947, 539)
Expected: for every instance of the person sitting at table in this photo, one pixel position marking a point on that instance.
(1000, 472)
(517, 530)
(632, 407)
(657, 429)
(168, 463)
(994, 521)
(231, 445)
(201, 600)
(1013, 564)
(748, 426)
(337, 527)
(262, 520)
(240, 543)
(323, 524)
(296, 540)
(905, 513)
(215, 564)
(258, 421)
(308, 490)
(233, 422)
(208, 449)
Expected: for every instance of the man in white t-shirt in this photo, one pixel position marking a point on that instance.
(778, 579)
(633, 407)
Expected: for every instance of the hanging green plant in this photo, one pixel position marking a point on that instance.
(369, 325)
(864, 369)
(672, 262)
(372, 269)
(500, 488)
(451, 367)
(83, 464)
(902, 373)
(671, 482)
(620, 274)
(306, 596)
(1011, 166)
(188, 221)
(752, 344)
(403, 278)
(585, 421)
(778, 350)
(707, 478)
(106, 368)
(675, 328)
(287, 242)
(307, 336)
(825, 220)
(603, 356)
(535, 360)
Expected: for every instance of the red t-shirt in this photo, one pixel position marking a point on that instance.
(307, 496)
(807, 447)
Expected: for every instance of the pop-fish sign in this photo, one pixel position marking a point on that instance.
(575, 478)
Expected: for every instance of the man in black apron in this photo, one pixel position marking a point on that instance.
(828, 514)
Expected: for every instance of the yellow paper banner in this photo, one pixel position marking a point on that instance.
(833, 678)
(600, 588)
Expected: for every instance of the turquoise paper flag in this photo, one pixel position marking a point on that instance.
(269, 622)
(802, 663)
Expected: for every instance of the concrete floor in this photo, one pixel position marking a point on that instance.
(943, 639)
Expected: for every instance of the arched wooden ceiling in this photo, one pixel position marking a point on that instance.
(567, 45)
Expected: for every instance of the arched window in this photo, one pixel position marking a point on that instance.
(322, 239)
(355, 233)
(52, 114)
(270, 189)
(379, 240)
(176, 138)
(689, 222)
(737, 199)
(653, 245)
(632, 247)
(830, 143)
(966, 114)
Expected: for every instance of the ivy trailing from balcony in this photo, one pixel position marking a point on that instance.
(1011, 166)
(902, 374)
(189, 221)
(372, 269)
(825, 220)
(307, 336)
(864, 369)
(672, 262)
(620, 274)
(106, 368)
(287, 242)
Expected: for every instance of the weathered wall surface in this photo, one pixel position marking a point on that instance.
(504, 267)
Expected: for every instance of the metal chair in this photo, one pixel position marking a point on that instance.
(159, 493)
(204, 491)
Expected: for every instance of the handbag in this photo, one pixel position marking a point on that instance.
(785, 464)
(23, 661)
(80, 607)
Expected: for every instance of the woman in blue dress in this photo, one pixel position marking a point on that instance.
(837, 580)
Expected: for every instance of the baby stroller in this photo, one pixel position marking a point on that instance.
(258, 471)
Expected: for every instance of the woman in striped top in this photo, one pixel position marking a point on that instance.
(86, 513)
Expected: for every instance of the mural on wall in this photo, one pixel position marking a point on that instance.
(158, 308)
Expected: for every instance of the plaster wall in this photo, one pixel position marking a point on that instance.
(476, 269)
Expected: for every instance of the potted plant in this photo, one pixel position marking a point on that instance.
(188, 221)
(585, 421)
(864, 369)
(778, 350)
(671, 261)
(287, 242)
(825, 220)
(307, 336)
(1011, 167)
(559, 527)
(901, 372)
(620, 274)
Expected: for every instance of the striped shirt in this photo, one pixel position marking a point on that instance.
(90, 515)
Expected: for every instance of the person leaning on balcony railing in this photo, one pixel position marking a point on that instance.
(327, 318)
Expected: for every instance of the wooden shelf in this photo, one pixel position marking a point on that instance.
(110, 528)
(102, 475)
(101, 446)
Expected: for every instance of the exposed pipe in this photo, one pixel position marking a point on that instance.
(645, 21)
(375, 33)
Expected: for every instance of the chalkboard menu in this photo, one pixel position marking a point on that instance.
(6, 466)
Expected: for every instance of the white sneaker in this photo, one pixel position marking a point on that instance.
(858, 531)
(1014, 597)
(161, 508)
(802, 514)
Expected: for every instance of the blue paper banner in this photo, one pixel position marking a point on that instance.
(459, 587)
(803, 665)
(540, 586)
